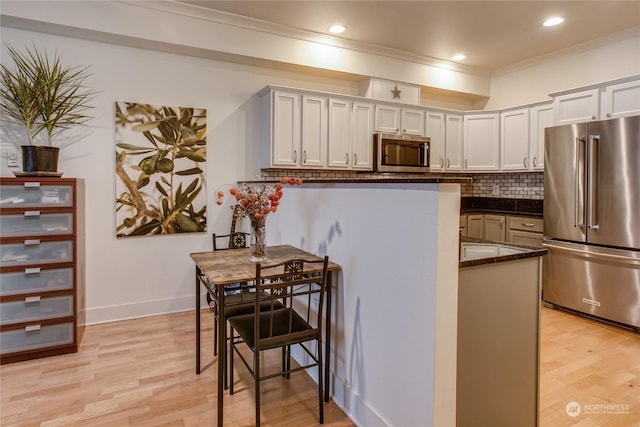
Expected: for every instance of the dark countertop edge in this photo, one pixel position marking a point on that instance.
(498, 211)
(532, 253)
(395, 180)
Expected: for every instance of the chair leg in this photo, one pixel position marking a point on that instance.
(320, 383)
(256, 379)
(215, 334)
(230, 352)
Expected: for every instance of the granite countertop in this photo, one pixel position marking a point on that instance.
(528, 207)
(515, 252)
(421, 179)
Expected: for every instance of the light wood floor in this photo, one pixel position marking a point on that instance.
(141, 373)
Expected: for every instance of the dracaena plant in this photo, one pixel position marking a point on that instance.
(43, 95)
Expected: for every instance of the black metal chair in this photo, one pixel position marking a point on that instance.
(296, 290)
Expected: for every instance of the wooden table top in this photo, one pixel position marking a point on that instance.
(232, 266)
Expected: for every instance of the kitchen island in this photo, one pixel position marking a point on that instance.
(499, 297)
(394, 309)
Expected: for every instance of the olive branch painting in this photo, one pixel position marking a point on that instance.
(160, 167)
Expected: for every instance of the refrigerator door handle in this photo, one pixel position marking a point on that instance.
(594, 141)
(580, 181)
(590, 254)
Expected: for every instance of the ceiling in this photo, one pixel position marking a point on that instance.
(493, 34)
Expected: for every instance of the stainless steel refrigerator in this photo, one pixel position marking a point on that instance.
(592, 219)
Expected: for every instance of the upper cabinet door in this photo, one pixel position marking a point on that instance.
(285, 129)
(388, 118)
(339, 133)
(621, 100)
(453, 142)
(514, 140)
(541, 117)
(412, 121)
(576, 107)
(314, 131)
(482, 142)
(362, 134)
(435, 130)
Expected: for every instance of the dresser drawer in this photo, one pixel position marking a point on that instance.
(36, 194)
(35, 279)
(34, 337)
(35, 223)
(31, 309)
(35, 251)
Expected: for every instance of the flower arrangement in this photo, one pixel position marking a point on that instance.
(258, 201)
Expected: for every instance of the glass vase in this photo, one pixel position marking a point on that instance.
(258, 241)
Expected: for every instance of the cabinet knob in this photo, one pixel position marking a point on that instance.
(441, 163)
(535, 162)
(593, 117)
(355, 159)
(608, 114)
(524, 162)
(346, 155)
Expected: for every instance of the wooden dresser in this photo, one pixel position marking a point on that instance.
(41, 267)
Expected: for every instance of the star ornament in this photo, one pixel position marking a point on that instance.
(396, 93)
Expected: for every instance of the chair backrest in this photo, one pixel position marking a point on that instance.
(235, 240)
(300, 286)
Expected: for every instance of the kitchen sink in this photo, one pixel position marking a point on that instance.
(471, 250)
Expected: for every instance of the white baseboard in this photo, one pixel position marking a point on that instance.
(114, 313)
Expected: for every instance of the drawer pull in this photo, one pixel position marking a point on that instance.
(33, 270)
(29, 300)
(528, 224)
(32, 242)
(31, 328)
(31, 213)
(31, 185)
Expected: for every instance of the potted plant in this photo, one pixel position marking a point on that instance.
(43, 95)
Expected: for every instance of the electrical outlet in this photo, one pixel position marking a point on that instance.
(496, 189)
(13, 159)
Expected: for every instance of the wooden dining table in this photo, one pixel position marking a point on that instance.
(222, 268)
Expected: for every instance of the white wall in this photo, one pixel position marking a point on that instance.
(395, 304)
(135, 277)
(618, 58)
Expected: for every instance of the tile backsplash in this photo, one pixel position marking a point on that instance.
(529, 185)
(526, 185)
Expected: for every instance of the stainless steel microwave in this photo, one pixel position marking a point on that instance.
(401, 153)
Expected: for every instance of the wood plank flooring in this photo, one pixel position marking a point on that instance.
(141, 373)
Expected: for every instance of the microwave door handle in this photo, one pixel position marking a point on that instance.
(425, 161)
(594, 141)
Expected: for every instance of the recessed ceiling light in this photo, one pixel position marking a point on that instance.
(458, 57)
(337, 29)
(553, 21)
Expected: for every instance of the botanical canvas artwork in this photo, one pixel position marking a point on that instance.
(160, 168)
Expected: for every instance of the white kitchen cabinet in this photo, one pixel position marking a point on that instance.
(475, 226)
(281, 128)
(523, 230)
(362, 136)
(482, 142)
(541, 117)
(576, 107)
(395, 119)
(514, 140)
(463, 225)
(621, 100)
(435, 130)
(495, 227)
(453, 142)
(313, 142)
(339, 133)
